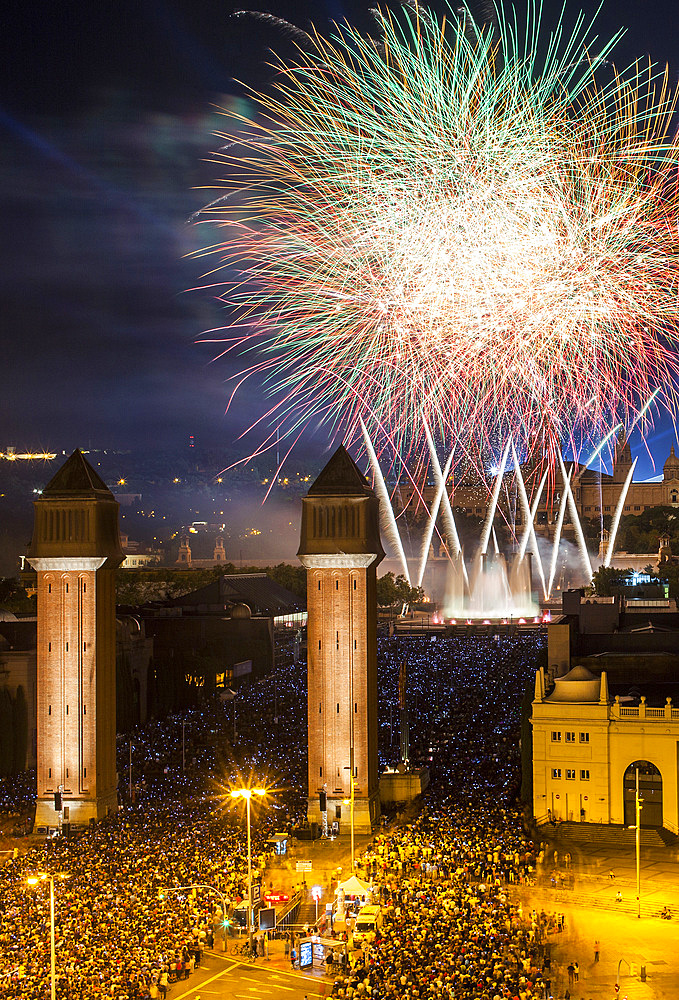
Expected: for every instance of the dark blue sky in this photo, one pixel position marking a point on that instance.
(106, 115)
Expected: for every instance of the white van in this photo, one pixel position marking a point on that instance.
(368, 922)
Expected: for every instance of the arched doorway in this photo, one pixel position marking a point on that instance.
(650, 790)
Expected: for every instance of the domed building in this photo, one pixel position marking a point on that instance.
(588, 746)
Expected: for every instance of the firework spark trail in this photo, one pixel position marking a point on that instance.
(450, 223)
(602, 444)
(618, 515)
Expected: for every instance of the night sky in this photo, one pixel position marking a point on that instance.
(107, 110)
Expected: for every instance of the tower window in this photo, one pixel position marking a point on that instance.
(49, 588)
(338, 708)
(49, 710)
(84, 588)
(355, 644)
(67, 772)
(337, 639)
(84, 647)
(319, 645)
(84, 772)
(355, 706)
(319, 584)
(66, 588)
(67, 647)
(84, 709)
(49, 647)
(320, 772)
(336, 584)
(354, 585)
(49, 772)
(319, 708)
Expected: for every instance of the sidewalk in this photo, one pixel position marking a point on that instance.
(326, 856)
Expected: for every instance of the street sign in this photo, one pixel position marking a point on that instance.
(256, 893)
(304, 866)
(316, 892)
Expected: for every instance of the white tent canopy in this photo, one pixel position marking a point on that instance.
(354, 887)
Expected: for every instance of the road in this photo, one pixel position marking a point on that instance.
(225, 979)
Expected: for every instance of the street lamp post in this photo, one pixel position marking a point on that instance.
(350, 802)
(637, 837)
(35, 880)
(247, 793)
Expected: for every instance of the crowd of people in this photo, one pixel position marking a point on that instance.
(453, 928)
(127, 923)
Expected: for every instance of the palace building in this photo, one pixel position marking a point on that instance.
(595, 492)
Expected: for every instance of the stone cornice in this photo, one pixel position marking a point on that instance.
(338, 560)
(66, 564)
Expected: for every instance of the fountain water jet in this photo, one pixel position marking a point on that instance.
(389, 525)
(618, 514)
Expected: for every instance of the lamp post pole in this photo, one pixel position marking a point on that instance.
(247, 793)
(247, 799)
(637, 837)
(53, 961)
(35, 880)
(352, 807)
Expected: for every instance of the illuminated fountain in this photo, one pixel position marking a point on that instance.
(489, 584)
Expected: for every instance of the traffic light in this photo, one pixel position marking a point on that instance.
(58, 801)
(617, 987)
(322, 802)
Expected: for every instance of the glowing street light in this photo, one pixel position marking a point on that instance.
(247, 793)
(36, 880)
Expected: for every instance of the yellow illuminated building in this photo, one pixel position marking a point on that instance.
(587, 747)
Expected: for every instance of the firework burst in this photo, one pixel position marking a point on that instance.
(442, 226)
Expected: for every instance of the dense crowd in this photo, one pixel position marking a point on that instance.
(452, 929)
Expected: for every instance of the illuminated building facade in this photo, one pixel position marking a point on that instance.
(75, 551)
(588, 744)
(340, 548)
(595, 492)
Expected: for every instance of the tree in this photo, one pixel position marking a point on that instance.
(396, 590)
(293, 578)
(607, 580)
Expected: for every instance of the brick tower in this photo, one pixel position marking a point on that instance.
(340, 548)
(75, 551)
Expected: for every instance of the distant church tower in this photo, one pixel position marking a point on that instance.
(184, 555)
(340, 548)
(623, 458)
(75, 551)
